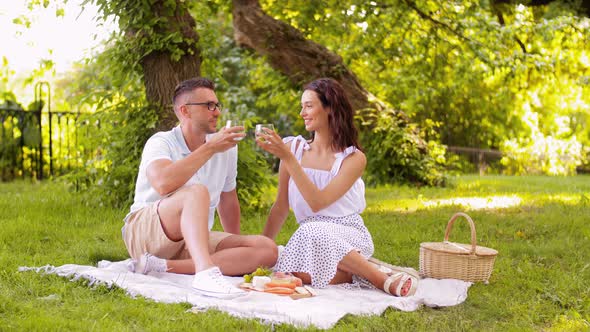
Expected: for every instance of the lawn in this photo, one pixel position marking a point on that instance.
(539, 225)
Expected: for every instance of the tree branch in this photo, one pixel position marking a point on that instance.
(289, 52)
(498, 12)
(435, 21)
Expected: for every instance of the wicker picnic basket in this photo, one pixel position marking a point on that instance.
(469, 262)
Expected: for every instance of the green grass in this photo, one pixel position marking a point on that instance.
(541, 279)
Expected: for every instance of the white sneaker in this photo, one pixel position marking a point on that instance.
(210, 282)
(148, 263)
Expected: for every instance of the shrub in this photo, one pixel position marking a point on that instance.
(397, 153)
(542, 155)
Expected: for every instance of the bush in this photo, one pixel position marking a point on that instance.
(397, 153)
(110, 176)
(542, 155)
(458, 164)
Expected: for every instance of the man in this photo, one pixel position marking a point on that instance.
(184, 175)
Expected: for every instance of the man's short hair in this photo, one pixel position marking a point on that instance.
(192, 84)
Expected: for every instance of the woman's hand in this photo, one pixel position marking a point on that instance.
(272, 143)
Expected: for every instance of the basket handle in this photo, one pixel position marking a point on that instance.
(471, 224)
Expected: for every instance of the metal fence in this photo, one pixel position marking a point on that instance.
(40, 142)
(481, 159)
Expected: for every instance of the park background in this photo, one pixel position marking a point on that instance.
(500, 89)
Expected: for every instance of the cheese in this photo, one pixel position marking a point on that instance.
(302, 290)
(310, 290)
(260, 281)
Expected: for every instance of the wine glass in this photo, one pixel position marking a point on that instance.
(259, 129)
(236, 122)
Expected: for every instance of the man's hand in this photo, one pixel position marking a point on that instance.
(225, 138)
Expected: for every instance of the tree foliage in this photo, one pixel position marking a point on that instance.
(110, 85)
(479, 74)
(473, 74)
(451, 66)
(301, 60)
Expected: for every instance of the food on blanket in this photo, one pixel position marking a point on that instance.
(290, 285)
(279, 290)
(264, 284)
(310, 290)
(280, 283)
(302, 290)
(284, 279)
(281, 278)
(261, 271)
(260, 281)
(300, 293)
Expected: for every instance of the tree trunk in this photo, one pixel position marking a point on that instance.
(161, 72)
(288, 51)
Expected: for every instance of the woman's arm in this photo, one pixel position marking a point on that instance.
(280, 208)
(352, 168)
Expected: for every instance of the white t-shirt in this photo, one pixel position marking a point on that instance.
(218, 174)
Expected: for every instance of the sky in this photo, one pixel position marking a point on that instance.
(70, 38)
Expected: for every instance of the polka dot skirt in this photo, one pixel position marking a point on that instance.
(320, 243)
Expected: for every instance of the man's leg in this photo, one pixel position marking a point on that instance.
(184, 215)
(240, 254)
(181, 266)
(234, 255)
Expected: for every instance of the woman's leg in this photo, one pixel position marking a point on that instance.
(341, 277)
(355, 263)
(305, 277)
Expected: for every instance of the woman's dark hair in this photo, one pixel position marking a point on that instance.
(341, 117)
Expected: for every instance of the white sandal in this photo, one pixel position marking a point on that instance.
(403, 278)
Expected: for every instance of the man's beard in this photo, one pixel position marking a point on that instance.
(206, 127)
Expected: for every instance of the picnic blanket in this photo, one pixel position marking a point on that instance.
(322, 311)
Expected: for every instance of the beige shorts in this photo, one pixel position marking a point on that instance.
(144, 233)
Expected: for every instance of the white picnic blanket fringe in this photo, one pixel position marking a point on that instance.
(322, 311)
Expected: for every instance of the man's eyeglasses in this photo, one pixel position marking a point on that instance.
(211, 106)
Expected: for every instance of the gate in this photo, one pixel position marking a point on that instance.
(40, 142)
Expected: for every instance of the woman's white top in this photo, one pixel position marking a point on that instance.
(353, 201)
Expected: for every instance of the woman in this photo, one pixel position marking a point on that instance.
(321, 181)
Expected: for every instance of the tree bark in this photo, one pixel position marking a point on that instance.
(161, 72)
(289, 52)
